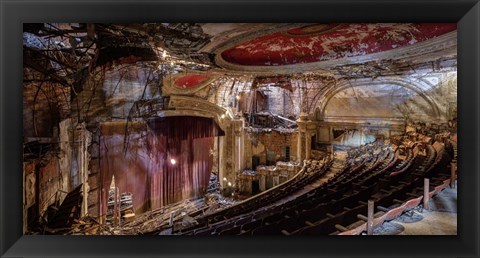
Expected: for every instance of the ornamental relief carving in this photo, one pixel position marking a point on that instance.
(200, 107)
(187, 83)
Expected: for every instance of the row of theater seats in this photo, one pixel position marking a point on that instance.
(347, 200)
(298, 213)
(255, 208)
(405, 190)
(340, 205)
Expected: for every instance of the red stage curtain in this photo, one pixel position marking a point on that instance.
(129, 167)
(145, 168)
(187, 140)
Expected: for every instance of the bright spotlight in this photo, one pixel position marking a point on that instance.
(237, 97)
(173, 161)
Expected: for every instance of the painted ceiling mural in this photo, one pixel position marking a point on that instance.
(320, 42)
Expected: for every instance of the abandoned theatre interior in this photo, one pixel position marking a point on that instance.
(240, 129)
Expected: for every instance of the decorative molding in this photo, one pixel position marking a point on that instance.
(445, 43)
(218, 45)
(183, 105)
(418, 86)
(169, 87)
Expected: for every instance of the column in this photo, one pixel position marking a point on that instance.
(301, 148)
(308, 145)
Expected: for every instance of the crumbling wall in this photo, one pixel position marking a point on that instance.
(47, 178)
(109, 95)
(269, 146)
(65, 154)
(435, 103)
(279, 101)
(44, 184)
(94, 180)
(355, 138)
(224, 92)
(44, 106)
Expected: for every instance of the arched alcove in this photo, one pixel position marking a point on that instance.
(382, 98)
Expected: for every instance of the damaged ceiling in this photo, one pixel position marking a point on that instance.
(246, 56)
(228, 47)
(320, 42)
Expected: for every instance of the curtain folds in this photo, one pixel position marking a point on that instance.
(146, 169)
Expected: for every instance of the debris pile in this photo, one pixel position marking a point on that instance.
(214, 184)
(249, 172)
(159, 219)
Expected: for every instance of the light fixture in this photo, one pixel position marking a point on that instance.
(173, 161)
(222, 116)
(224, 179)
(229, 184)
(237, 97)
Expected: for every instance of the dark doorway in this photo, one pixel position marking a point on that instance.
(287, 153)
(269, 182)
(255, 187)
(313, 142)
(255, 161)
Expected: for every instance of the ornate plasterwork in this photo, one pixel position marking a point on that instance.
(191, 106)
(417, 85)
(188, 106)
(169, 87)
(249, 31)
(440, 46)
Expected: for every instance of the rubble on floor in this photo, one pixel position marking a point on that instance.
(178, 215)
(214, 184)
(160, 218)
(249, 172)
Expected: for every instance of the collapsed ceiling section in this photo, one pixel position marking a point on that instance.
(233, 48)
(229, 64)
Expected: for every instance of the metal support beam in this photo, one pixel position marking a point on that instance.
(370, 217)
(426, 197)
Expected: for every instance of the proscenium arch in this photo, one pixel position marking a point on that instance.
(192, 106)
(399, 82)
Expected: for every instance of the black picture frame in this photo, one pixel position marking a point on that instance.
(13, 13)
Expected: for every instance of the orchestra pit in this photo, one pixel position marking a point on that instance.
(240, 129)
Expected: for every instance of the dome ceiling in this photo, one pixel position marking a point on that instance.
(322, 42)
